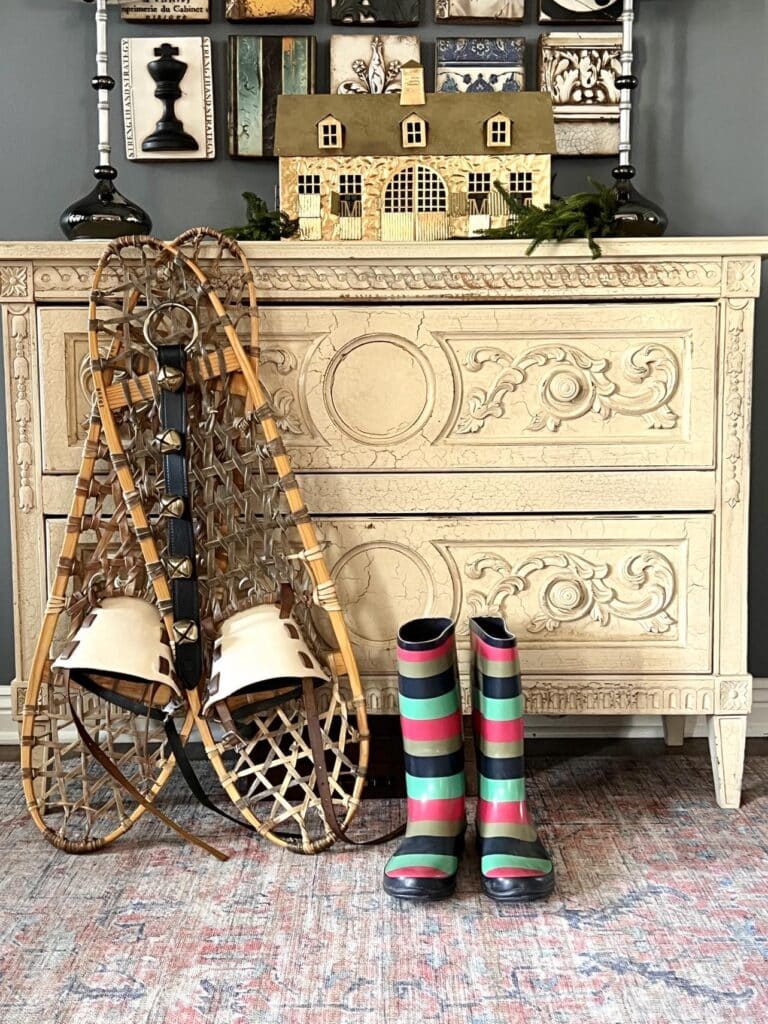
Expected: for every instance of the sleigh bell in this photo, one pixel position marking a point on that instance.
(260, 658)
(119, 650)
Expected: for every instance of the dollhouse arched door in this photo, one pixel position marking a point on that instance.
(415, 206)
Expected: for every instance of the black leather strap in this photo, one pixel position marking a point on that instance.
(181, 540)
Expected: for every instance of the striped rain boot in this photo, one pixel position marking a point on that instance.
(514, 865)
(426, 862)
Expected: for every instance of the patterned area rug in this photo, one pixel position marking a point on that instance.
(659, 917)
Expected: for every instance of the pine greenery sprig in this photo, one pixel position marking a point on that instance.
(263, 225)
(587, 215)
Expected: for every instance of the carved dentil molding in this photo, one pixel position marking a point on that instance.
(735, 369)
(576, 385)
(14, 282)
(579, 696)
(18, 327)
(578, 589)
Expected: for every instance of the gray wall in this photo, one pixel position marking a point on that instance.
(701, 150)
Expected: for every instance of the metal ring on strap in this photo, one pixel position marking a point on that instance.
(159, 310)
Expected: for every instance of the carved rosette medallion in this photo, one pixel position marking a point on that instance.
(573, 385)
(19, 348)
(735, 696)
(14, 282)
(572, 589)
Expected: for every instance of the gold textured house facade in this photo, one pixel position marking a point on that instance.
(376, 168)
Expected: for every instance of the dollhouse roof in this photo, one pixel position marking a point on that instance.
(456, 123)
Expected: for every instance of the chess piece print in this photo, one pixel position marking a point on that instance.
(167, 72)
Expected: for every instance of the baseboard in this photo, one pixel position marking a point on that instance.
(542, 726)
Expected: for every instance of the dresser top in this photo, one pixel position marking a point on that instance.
(477, 250)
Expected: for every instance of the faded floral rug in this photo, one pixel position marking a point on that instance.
(660, 916)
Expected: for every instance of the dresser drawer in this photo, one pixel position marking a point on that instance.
(447, 387)
(598, 594)
(491, 387)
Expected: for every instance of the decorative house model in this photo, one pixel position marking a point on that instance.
(407, 166)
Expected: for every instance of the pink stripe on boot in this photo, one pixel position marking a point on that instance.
(493, 653)
(513, 812)
(433, 652)
(431, 728)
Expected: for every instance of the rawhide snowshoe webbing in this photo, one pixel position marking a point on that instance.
(218, 530)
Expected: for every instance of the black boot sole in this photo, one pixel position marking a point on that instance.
(520, 894)
(418, 892)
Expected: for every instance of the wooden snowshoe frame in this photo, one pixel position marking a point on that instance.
(253, 535)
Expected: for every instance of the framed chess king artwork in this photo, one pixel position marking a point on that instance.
(184, 11)
(585, 12)
(168, 98)
(479, 10)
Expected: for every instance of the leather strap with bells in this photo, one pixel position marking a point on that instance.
(180, 563)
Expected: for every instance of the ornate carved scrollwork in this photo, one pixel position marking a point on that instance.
(576, 385)
(283, 400)
(735, 365)
(579, 590)
(18, 333)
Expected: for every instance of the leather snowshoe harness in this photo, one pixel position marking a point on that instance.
(186, 508)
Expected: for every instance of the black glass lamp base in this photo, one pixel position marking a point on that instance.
(636, 216)
(104, 213)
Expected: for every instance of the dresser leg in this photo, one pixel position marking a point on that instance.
(727, 740)
(674, 730)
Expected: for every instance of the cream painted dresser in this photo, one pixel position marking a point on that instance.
(563, 440)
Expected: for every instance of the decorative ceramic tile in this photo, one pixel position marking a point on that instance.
(182, 70)
(375, 12)
(584, 11)
(371, 64)
(479, 65)
(579, 71)
(163, 10)
(479, 10)
(260, 69)
(269, 10)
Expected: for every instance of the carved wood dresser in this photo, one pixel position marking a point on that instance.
(561, 440)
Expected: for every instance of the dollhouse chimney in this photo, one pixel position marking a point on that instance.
(412, 78)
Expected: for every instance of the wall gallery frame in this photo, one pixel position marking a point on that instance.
(585, 12)
(479, 64)
(479, 10)
(189, 11)
(579, 71)
(190, 115)
(261, 68)
(269, 10)
(375, 12)
(370, 64)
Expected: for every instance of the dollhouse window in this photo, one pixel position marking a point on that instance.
(329, 133)
(414, 132)
(478, 191)
(350, 195)
(521, 186)
(498, 131)
(309, 184)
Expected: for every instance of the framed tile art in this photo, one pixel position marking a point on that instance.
(579, 71)
(375, 12)
(187, 11)
(261, 68)
(480, 64)
(479, 10)
(584, 11)
(147, 135)
(269, 10)
(370, 63)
